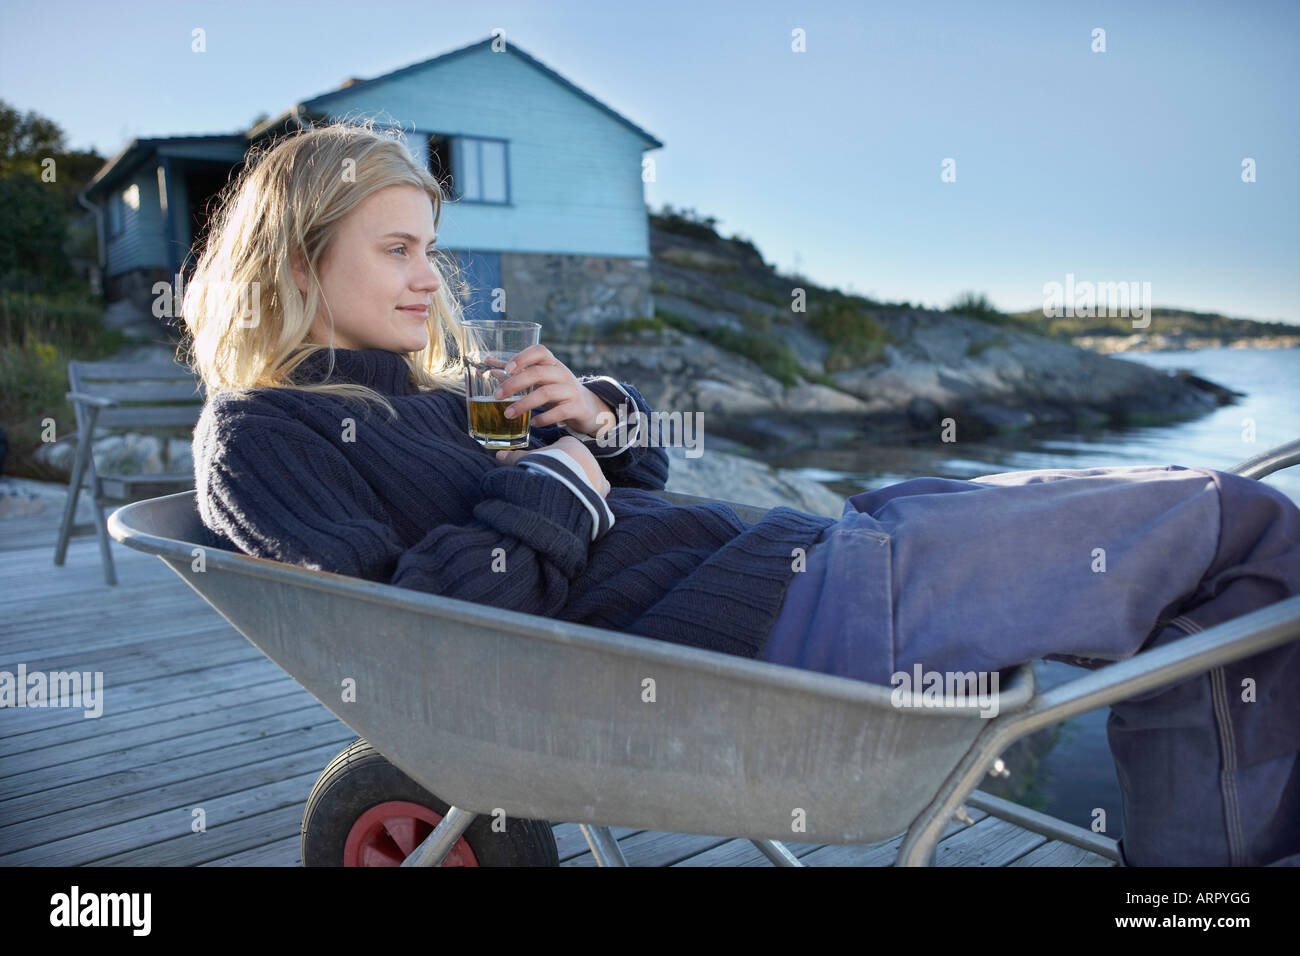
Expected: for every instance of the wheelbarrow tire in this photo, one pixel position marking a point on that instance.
(360, 779)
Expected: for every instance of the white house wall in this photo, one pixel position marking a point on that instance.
(574, 171)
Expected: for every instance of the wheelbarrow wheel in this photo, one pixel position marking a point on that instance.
(363, 811)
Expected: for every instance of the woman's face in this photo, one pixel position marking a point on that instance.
(378, 283)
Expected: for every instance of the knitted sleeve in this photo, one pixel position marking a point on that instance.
(629, 454)
(276, 489)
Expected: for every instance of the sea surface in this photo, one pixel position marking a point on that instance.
(1078, 776)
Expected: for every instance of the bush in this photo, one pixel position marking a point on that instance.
(771, 355)
(856, 337)
(976, 348)
(756, 291)
(626, 329)
(33, 231)
(975, 305)
(685, 222)
(70, 321)
(38, 336)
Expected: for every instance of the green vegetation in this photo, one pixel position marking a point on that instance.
(1163, 321)
(758, 322)
(977, 306)
(975, 348)
(760, 292)
(38, 335)
(698, 261)
(632, 329)
(685, 222)
(856, 336)
(47, 314)
(771, 355)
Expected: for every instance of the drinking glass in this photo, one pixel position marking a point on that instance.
(489, 345)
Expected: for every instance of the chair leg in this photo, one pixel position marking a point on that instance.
(105, 545)
(70, 506)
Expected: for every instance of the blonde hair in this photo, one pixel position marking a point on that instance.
(290, 200)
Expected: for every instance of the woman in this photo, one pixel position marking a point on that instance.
(335, 438)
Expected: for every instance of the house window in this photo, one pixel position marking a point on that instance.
(417, 145)
(480, 168)
(115, 214)
(440, 164)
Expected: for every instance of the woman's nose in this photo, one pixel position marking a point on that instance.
(430, 280)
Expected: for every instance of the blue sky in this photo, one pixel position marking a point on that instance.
(1115, 166)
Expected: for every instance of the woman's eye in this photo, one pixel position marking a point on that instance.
(430, 253)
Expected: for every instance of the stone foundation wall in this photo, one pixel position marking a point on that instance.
(136, 287)
(574, 296)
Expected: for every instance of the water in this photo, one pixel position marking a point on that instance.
(1078, 776)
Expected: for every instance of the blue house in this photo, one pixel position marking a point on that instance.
(546, 185)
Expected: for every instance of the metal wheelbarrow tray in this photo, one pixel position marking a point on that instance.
(496, 710)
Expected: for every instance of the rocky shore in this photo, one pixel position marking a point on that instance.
(983, 379)
(930, 368)
(1159, 342)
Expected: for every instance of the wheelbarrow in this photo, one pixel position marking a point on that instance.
(478, 725)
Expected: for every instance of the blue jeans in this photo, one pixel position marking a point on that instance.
(1087, 566)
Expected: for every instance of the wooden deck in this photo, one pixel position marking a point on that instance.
(196, 717)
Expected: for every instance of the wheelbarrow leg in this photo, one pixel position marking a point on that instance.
(603, 845)
(444, 836)
(777, 853)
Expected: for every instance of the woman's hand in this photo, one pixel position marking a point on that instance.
(573, 448)
(571, 403)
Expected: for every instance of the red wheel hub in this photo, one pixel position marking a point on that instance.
(389, 832)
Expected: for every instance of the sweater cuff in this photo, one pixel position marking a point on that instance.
(612, 393)
(559, 465)
(540, 512)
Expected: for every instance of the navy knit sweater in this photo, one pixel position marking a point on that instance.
(419, 504)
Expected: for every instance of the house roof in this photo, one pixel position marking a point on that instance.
(353, 84)
(138, 149)
(133, 152)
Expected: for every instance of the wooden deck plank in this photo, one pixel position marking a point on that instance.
(1056, 853)
(569, 841)
(883, 853)
(39, 532)
(119, 790)
(989, 842)
(168, 735)
(144, 694)
(34, 621)
(655, 848)
(210, 703)
(285, 852)
(104, 764)
(183, 795)
(742, 853)
(32, 565)
(194, 646)
(248, 832)
(165, 837)
(123, 783)
(47, 652)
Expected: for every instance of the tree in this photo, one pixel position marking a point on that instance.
(37, 210)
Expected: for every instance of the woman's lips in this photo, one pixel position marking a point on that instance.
(418, 311)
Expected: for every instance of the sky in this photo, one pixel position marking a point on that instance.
(1122, 165)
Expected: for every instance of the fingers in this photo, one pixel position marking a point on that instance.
(534, 375)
